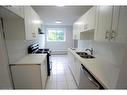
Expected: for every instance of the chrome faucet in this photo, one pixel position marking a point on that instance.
(91, 50)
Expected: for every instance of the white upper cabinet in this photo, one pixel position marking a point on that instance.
(84, 24)
(111, 24)
(76, 33)
(18, 10)
(32, 23)
(104, 21)
(28, 23)
(35, 24)
(89, 19)
(115, 22)
(121, 33)
(31, 20)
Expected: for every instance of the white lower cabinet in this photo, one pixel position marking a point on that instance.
(74, 65)
(26, 76)
(71, 61)
(44, 74)
(29, 76)
(77, 66)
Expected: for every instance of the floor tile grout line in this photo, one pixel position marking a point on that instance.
(65, 66)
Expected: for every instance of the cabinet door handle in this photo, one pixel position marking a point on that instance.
(33, 35)
(107, 34)
(113, 34)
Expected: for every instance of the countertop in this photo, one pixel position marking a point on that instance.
(105, 72)
(31, 59)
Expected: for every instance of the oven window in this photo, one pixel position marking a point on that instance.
(56, 34)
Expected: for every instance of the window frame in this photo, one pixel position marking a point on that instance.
(64, 30)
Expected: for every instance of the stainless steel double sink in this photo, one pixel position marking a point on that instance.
(85, 55)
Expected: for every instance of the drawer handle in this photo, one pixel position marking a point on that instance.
(113, 34)
(107, 34)
(33, 35)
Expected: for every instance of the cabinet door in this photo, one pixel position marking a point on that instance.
(122, 26)
(84, 22)
(104, 23)
(21, 8)
(81, 23)
(88, 20)
(76, 34)
(44, 73)
(91, 18)
(28, 22)
(71, 61)
(74, 65)
(76, 70)
(26, 76)
(115, 20)
(74, 31)
(35, 23)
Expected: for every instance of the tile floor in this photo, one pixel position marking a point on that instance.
(61, 77)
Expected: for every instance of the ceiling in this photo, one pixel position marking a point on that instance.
(67, 14)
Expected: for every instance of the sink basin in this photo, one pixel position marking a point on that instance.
(85, 55)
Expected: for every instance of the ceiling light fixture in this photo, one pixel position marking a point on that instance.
(36, 21)
(79, 23)
(58, 22)
(60, 5)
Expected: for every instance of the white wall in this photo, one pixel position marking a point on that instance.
(75, 43)
(40, 40)
(113, 52)
(61, 46)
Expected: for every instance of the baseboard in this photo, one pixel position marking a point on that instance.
(59, 52)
